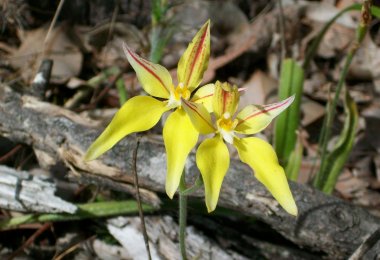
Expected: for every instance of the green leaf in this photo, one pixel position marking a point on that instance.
(291, 83)
(123, 95)
(336, 160)
(85, 211)
(375, 11)
(294, 163)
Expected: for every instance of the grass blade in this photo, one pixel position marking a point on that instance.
(291, 83)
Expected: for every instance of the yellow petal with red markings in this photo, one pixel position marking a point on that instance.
(213, 160)
(154, 78)
(252, 119)
(194, 61)
(199, 116)
(261, 157)
(226, 99)
(180, 137)
(137, 114)
(204, 95)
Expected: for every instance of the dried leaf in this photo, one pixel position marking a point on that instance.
(61, 49)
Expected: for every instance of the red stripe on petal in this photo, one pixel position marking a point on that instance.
(198, 52)
(265, 111)
(145, 65)
(225, 96)
(200, 98)
(194, 108)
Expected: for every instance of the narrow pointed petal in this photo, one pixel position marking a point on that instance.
(261, 157)
(154, 78)
(180, 137)
(253, 119)
(204, 96)
(194, 61)
(213, 160)
(225, 99)
(137, 114)
(199, 116)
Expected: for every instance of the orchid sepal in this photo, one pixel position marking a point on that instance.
(194, 61)
(125, 122)
(261, 157)
(212, 150)
(154, 78)
(199, 116)
(254, 118)
(180, 137)
(204, 96)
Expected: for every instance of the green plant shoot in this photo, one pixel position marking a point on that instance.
(335, 161)
(326, 162)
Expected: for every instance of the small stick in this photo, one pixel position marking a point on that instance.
(30, 240)
(367, 244)
(282, 30)
(9, 154)
(53, 22)
(42, 79)
(141, 213)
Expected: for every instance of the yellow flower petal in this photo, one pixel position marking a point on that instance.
(261, 157)
(213, 160)
(225, 99)
(204, 95)
(154, 78)
(194, 61)
(199, 116)
(252, 119)
(137, 114)
(180, 137)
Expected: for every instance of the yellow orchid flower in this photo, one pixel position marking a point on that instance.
(213, 157)
(141, 113)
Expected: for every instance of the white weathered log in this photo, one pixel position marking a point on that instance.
(163, 236)
(22, 191)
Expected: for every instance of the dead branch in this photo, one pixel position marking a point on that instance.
(325, 223)
(21, 191)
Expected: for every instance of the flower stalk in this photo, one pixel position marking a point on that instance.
(182, 215)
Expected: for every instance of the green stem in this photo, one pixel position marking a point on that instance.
(315, 44)
(182, 216)
(197, 184)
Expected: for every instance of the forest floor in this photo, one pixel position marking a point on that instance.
(46, 128)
